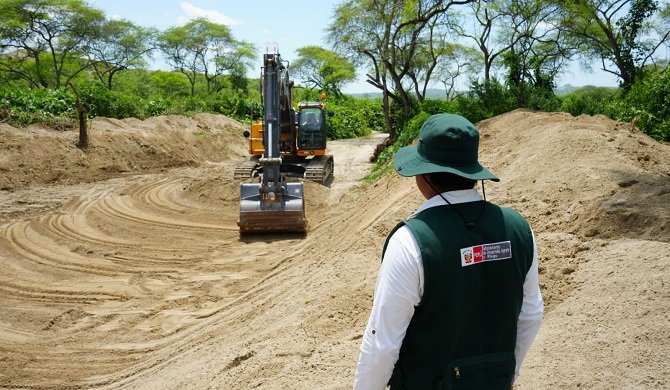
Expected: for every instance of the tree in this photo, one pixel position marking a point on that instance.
(663, 25)
(486, 16)
(121, 45)
(538, 52)
(622, 34)
(169, 83)
(240, 58)
(456, 60)
(386, 35)
(322, 69)
(430, 52)
(45, 41)
(528, 28)
(81, 116)
(201, 47)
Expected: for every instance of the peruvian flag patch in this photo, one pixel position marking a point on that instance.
(487, 252)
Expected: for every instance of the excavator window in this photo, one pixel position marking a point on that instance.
(312, 135)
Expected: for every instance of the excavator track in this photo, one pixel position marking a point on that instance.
(320, 169)
(246, 169)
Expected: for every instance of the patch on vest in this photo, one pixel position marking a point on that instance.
(486, 252)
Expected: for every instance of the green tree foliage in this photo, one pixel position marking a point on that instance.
(521, 38)
(487, 15)
(485, 100)
(622, 35)
(322, 69)
(386, 36)
(531, 86)
(537, 54)
(404, 45)
(45, 41)
(457, 60)
(588, 100)
(353, 117)
(439, 59)
(406, 137)
(201, 48)
(120, 46)
(648, 105)
(28, 106)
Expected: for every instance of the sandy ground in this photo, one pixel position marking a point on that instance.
(122, 266)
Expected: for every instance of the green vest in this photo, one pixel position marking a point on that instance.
(463, 332)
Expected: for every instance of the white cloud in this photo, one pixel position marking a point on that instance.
(212, 15)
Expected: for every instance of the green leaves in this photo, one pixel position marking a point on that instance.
(203, 48)
(29, 106)
(60, 30)
(648, 104)
(322, 69)
(621, 34)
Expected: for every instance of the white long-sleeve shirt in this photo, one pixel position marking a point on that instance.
(399, 289)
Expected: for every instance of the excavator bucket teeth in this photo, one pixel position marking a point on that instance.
(284, 215)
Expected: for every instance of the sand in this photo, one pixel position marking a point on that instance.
(122, 265)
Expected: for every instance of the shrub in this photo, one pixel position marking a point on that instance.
(346, 123)
(234, 104)
(28, 106)
(158, 106)
(542, 99)
(485, 100)
(648, 103)
(588, 100)
(437, 106)
(100, 101)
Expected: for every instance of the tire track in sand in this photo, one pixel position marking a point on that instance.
(120, 280)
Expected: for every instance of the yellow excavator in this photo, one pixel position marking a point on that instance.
(282, 144)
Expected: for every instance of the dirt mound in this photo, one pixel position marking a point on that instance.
(123, 266)
(36, 155)
(587, 176)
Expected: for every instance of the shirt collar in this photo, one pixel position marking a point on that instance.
(460, 196)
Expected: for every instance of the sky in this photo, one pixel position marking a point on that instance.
(291, 24)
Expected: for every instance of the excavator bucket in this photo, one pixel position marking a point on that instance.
(272, 214)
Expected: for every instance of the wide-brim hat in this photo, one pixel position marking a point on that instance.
(447, 143)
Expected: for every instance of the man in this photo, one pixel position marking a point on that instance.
(311, 119)
(457, 302)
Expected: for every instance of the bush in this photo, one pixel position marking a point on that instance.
(346, 123)
(406, 137)
(234, 104)
(28, 106)
(648, 103)
(370, 113)
(485, 100)
(353, 117)
(588, 100)
(100, 101)
(158, 106)
(542, 99)
(438, 106)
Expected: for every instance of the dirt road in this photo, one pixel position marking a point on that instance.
(141, 280)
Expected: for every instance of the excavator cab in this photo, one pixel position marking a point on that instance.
(311, 129)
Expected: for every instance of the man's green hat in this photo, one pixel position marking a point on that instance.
(447, 143)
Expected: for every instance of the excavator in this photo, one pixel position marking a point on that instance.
(282, 144)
